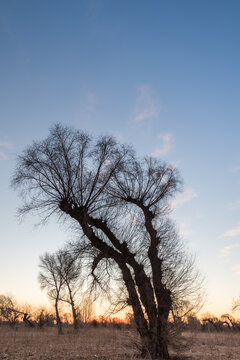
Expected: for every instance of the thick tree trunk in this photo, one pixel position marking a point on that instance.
(75, 320)
(155, 342)
(59, 323)
(158, 349)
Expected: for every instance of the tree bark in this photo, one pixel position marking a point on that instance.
(59, 323)
(75, 320)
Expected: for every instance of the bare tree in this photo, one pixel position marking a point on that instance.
(51, 279)
(85, 310)
(9, 309)
(43, 317)
(120, 205)
(69, 268)
(236, 304)
(229, 319)
(60, 274)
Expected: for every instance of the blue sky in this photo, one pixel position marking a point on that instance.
(163, 76)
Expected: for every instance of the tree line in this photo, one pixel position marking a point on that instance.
(13, 313)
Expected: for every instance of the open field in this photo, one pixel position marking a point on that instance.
(212, 346)
(106, 344)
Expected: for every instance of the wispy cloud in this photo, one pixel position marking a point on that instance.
(236, 269)
(147, 105)
(234, 205)
(226, 250)
(167, 141)
(184, 197)
(118, 136)
(185, 230)
(3, 156)
(91, 99)
(232, 232)
(235, 168)
(6, 145)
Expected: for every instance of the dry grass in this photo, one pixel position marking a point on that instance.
(106, 344)
(212, 346)
(88, 343)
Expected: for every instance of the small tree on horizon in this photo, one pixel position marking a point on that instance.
(9, 309)
(69, 267)
(120, 205)
(61, 275)
(51, 279)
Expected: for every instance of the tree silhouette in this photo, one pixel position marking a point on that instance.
(121, 206)
(51, 279)
(69, 268)
(9, 309)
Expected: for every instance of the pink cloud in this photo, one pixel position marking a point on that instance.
(236, 269)
(232, 232)
(234, 206)
(146, 107)
(5, 144)
(3, 156)
(184, 197)
(185, 230)
(225, 251)
(166, 145)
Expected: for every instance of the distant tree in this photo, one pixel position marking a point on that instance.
(43, 317)
(121, 206)
(52, 280)
(9, 309)
(236, 304)
(85, 310)
(193, 323)
(60, 274)
(232, 323)
(69, 268)
(228, 320)
(211, 322)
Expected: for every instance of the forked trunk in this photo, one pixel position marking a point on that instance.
(153, 331)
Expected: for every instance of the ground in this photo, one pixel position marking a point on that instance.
(106, 344)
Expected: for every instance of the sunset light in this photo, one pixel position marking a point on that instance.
(120, 178)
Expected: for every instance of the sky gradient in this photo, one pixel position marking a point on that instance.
(163, 76)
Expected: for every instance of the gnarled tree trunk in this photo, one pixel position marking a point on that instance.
(153, 330)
